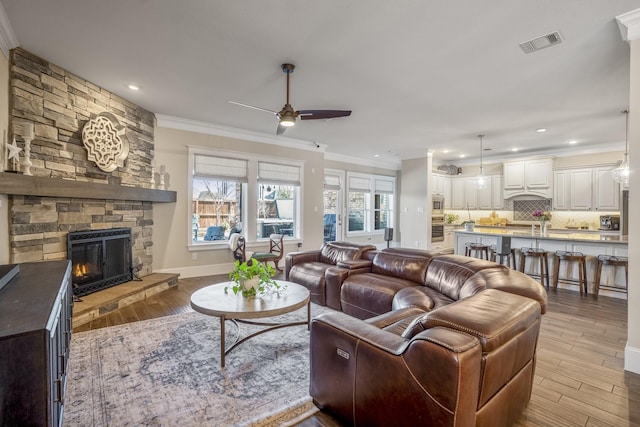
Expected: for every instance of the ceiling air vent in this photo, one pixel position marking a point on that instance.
(541, 42)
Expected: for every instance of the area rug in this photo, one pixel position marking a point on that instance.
(166, 372)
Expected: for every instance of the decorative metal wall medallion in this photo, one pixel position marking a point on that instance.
(103, 138)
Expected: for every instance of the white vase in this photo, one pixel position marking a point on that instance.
(253, 283)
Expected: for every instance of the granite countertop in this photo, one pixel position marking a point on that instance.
(573, 235)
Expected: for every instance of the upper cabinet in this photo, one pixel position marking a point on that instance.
(586, 189)
(465, 194)
(528, 177)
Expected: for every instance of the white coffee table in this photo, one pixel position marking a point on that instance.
(214, 301)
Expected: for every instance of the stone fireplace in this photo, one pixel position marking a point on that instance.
(68, 192)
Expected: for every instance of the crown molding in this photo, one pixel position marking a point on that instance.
(629, 25)
(363, 162)
(229, 132)
(8, 39)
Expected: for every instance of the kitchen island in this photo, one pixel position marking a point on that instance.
(590, 244)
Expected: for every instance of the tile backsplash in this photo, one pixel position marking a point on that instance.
(522, 209)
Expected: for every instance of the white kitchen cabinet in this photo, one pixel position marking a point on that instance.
(580, 189)
(528, 177)
(442, 187)
(586, 189)
(458, 199)
(465, 194)
(438, 184)
(561, 196)
(606, 191)
(497, 199)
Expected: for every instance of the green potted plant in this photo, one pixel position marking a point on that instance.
(252, 278)
(468, 225)
(450, 218)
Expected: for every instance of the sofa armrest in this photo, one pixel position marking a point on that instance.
(294, 258)
(355, 264)
(354, 363)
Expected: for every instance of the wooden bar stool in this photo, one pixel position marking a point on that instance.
(568, 257)
(510, 258)
(614, 261)
(542, 256)
(477, 250)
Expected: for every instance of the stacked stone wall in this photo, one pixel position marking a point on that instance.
(59, 104)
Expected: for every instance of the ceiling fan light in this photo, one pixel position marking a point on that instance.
(287, 121)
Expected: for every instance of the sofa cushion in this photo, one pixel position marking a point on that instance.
(448, 275)
(421, 297)
(332, 253)
(367, 294)
(404, 266)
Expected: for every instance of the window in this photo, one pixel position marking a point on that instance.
(278, 199)
(223, 182)
(217, 190)
(370, 203)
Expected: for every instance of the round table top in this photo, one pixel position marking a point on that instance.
(214, 301)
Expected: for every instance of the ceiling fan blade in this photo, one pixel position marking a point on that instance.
(280, 129)
(252, 106)
(322, 114)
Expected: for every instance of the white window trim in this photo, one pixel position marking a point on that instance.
(249, 195)
(372, 187)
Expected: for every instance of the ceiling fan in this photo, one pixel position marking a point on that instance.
(287, 116)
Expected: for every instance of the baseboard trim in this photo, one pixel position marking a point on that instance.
(199, 271)
(632, 359)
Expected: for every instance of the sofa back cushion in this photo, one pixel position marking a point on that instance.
(401, 265)
(450, 274)
(333, 252)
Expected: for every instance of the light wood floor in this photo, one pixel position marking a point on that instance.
(580, 380)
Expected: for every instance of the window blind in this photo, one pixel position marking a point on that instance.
(359, 184)
(278, 174)
(332, 182)
(221, 168)
(383, 186)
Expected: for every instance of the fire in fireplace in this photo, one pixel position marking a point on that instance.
(99, 259)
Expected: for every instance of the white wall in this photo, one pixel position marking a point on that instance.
(415, 209)
(632, 351)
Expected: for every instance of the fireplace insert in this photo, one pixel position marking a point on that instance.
(99, 259)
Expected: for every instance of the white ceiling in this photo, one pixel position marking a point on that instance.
(419, 75)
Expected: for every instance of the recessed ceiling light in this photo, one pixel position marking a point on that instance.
(445, 151)
(541, 130)
(515, 149)
(133, 86)
(376, 155)
(573, 141)
(462, 156)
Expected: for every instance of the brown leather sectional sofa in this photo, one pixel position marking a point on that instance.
(447, 341)
(308, 267)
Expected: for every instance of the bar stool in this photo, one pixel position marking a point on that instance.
(510, 257)
(477, 250)
(568, 257)
(541, 256)
(615, 261)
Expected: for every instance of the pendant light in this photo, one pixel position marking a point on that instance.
(481, 180)
(621, 173)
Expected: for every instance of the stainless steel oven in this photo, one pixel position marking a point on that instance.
(437, 228)
(437, 205)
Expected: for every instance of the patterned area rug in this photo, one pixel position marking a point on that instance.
(166, 372)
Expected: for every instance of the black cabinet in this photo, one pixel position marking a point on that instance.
(35, 337)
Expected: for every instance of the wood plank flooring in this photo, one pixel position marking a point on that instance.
(580, 380)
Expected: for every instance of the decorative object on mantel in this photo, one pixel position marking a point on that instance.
(253, 279)
(27, 135)
(621, 173)
(163, 171)
(104, 139)
(13, 157)
(152, 181)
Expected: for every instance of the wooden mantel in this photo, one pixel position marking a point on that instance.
(23, 185)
